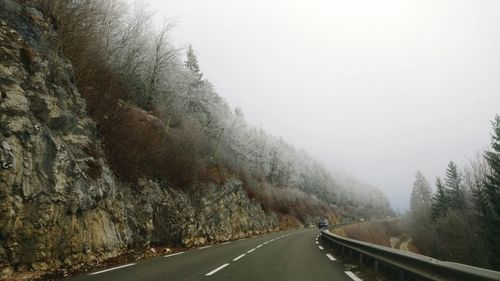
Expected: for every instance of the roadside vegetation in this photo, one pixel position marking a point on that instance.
(380, 232)
(161, 120)
(460, 221)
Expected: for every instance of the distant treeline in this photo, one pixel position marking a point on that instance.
(160, 119)
(460, 221)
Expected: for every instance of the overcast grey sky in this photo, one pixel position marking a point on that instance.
(378, 89)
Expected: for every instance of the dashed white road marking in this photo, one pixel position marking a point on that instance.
(217, 269)
(227, 242)
(171, 255)
(204, 247)
(353, 276)
(331, 257)
(251, 250)
(259, 246)
(321, 248)
(317, 242)
(239, 257)
(109, 269)
(265, 243)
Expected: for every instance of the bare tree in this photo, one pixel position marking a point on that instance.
(162, 55)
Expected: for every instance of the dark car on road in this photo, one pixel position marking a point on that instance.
(323, 223)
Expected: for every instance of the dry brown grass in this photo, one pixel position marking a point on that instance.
(377, 232)
(137, 143)
(290, 201)
(140, 146)
(288, 222)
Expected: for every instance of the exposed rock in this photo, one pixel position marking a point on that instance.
(60, 205)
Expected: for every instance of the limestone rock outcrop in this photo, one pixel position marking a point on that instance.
(61, 205)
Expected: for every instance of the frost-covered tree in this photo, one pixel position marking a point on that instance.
(162, 54)
(421, 194)
(420, 209)
(146, 72)
(191, 63)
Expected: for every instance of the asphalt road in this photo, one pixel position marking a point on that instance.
(291, 255)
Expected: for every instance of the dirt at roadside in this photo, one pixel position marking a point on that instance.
(387, 232)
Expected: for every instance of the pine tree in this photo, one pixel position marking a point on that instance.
(492, 184)
(440, 203)
(191, 63)
(453, 182)
(420, 209)
(492, 191)
(421, 194)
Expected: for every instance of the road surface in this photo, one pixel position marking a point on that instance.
(290, 255)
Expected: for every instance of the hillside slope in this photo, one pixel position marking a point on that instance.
(60, 203)
(91, 168)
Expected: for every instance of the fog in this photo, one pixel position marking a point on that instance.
(378, 89)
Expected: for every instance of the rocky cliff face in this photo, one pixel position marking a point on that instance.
(60, 203)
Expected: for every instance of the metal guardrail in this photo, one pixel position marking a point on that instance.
(406, 262)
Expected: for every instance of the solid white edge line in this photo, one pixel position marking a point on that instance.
(321, 248)
(217, 269)
(251, 250)
(353, 276)
(331, 257)
(226, 243)
(204, 247)
(239, 257)
(109, 269)
(171, 255)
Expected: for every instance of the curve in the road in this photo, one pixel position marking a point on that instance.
(290, 255)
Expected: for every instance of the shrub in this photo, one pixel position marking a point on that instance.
(140, 146)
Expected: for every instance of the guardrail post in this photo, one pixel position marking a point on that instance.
(360, 259)
(375, 266)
